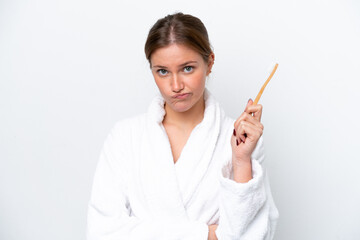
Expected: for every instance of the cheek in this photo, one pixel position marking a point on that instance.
(162, 86)
(157, 80)
(199, 79)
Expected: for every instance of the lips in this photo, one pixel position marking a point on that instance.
(181, 96)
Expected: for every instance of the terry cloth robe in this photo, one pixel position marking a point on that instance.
(140, 193)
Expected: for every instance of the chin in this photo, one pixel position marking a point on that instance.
(181, 106)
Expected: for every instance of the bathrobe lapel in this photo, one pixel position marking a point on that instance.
(168, 187)
(197, 154)
(157, 171)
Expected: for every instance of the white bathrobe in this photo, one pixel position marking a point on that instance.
(139, 193)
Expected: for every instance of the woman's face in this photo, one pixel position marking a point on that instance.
(180, 74)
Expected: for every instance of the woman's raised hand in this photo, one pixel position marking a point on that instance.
(247, 131)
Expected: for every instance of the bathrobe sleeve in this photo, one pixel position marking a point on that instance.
(247, 210)
(109, 213)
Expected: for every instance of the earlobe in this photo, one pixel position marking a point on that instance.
(209, 70)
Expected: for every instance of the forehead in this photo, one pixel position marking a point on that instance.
(174, 54)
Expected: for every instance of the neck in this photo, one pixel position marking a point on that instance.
(188, 119)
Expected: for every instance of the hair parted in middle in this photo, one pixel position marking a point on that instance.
(179, 28)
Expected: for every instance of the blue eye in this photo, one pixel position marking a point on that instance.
(162, 72)
(188, 69)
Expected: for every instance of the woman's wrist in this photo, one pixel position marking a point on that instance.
(242, 170)
(239, 160)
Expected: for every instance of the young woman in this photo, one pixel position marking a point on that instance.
(182, 170)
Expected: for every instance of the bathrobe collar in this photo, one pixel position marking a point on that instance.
(169, 187)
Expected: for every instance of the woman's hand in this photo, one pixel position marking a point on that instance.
(212, 235)
(247, 131)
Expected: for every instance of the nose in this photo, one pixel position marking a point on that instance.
(177, 84)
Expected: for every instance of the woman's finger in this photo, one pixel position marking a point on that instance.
(256, 110)
(249, 118)
(246, 129)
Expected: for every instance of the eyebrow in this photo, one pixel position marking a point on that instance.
(181, 65)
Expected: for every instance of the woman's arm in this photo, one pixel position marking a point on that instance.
(247, 210)
(247, 132)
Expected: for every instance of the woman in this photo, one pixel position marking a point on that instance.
(183, 170)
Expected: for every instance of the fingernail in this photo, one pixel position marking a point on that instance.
(243, 137)
(234, 132)
(249, 99)
(237, 142)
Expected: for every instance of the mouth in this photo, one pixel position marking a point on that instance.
(181, 96)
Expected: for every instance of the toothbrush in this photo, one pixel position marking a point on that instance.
(260, 93)
(263, 87)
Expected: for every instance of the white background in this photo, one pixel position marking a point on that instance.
(70, 69)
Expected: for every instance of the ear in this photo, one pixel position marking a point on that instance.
(210, 63)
